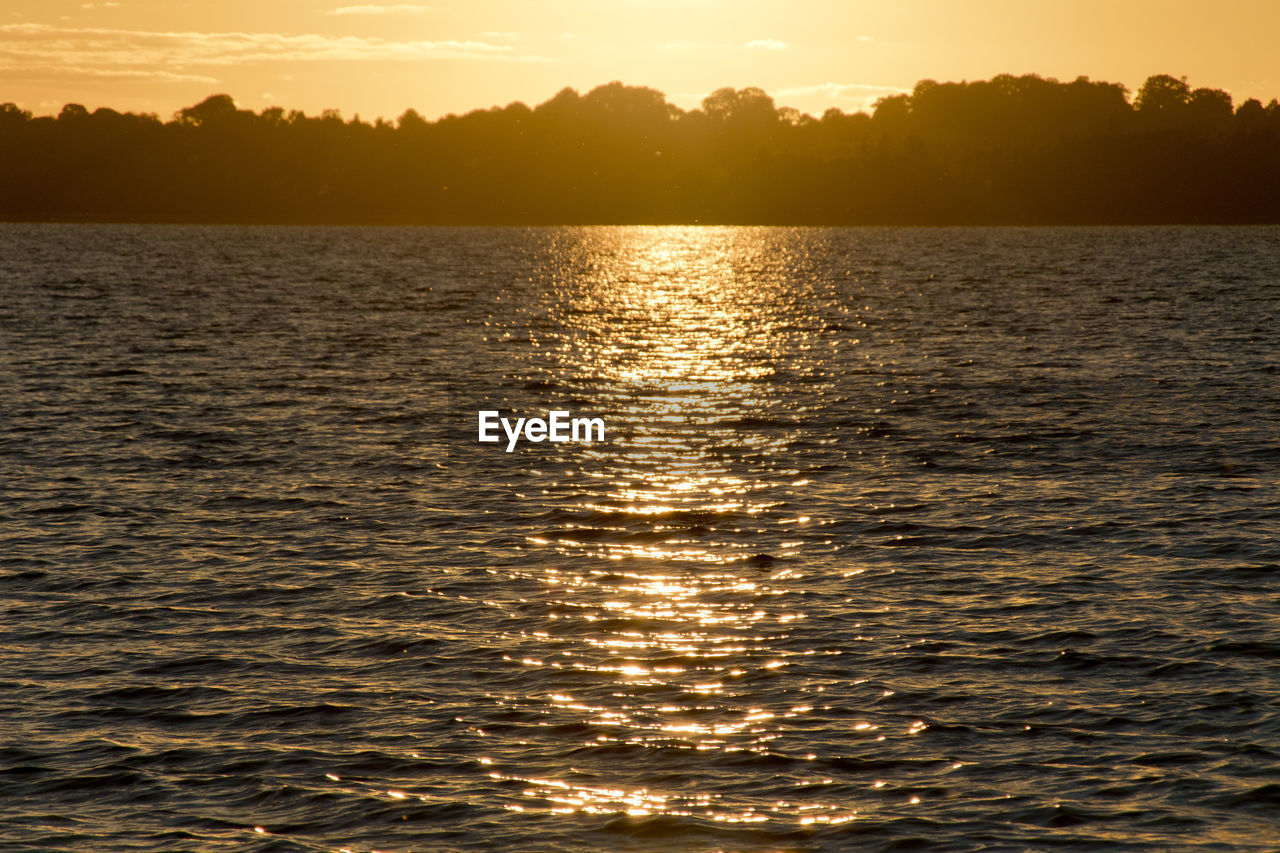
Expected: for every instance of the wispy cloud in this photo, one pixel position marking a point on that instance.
(63, 73)
(118, 51)
(727, 47)
(851, 94)
(373, 9)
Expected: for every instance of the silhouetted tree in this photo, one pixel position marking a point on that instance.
(1163, 93)
(1209, 109)
(213, 110)
(1010, 149)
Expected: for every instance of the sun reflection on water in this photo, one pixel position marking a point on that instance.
(667, 624)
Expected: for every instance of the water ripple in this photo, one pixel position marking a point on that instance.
(948, 539)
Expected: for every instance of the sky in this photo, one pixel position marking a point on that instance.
(377, 59)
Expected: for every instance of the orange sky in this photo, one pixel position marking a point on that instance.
(439, 56)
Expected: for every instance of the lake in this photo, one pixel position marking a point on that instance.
(943, 539)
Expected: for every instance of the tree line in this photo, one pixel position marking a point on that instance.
(1009, 150)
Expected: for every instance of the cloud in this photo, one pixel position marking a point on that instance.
(851, 94)
(59, 73)
(117, 50)
(766, 44)
(371, 9)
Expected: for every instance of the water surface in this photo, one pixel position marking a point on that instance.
(951, 539)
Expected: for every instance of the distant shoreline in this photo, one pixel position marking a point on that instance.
(1006, 151)
(536, 225)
